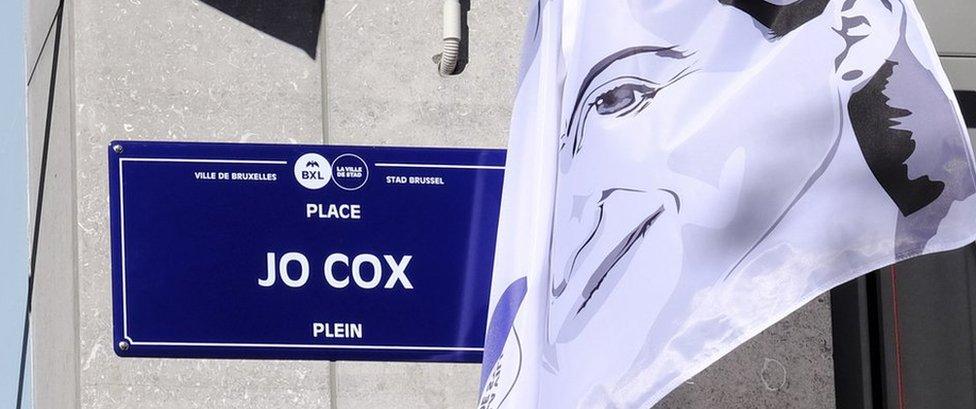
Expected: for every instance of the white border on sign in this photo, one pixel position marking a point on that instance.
(437, 166)
(125, 315)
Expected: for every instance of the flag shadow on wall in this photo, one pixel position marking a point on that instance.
(295, 22)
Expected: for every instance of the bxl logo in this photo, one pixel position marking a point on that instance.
(313, 171)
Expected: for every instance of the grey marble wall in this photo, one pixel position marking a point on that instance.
(181, 70)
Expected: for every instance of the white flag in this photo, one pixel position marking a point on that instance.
(684, 173)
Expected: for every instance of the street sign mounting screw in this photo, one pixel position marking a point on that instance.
(117, 148)
(123, 345)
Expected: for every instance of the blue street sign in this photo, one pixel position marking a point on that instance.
(302, 252)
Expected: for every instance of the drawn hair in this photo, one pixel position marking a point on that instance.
(780, 19)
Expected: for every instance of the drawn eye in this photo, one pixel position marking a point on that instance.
(622, 97)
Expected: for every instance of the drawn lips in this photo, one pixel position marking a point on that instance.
(568, 320)
(622, 248)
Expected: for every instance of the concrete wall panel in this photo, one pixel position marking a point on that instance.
(178, 70)
(54, 320)
(949, 22)
(384, 87)
(406, 385)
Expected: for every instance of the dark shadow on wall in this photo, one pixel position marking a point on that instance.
(465, 41)
(295, 22)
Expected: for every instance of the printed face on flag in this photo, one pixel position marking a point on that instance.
(662, 144)
(690, 136)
